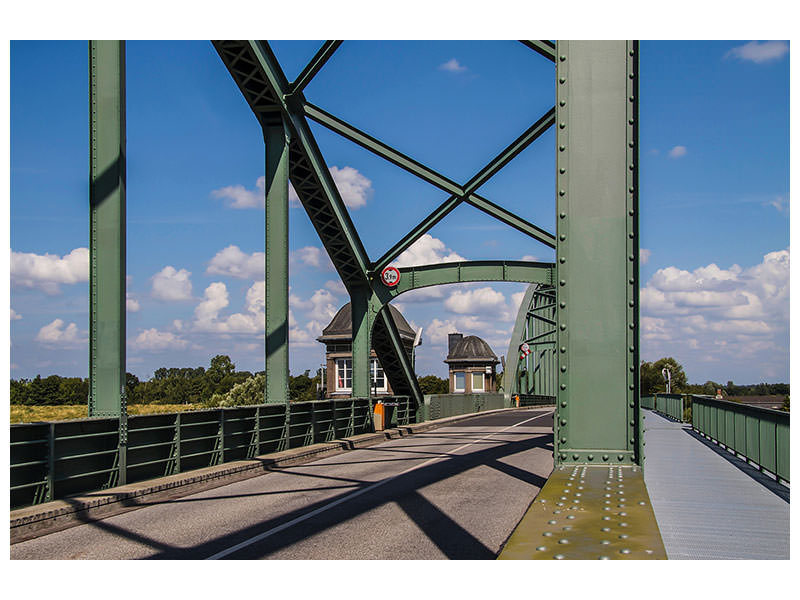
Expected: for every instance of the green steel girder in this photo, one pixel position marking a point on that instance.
(416, 277)
(597, 252)
(107, 230)
(395, 361)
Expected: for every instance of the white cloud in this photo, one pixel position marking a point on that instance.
(336, 286)
(530, 257)
(48, 271)
(780, 203)
(452, 66)
(644, 256)
(677, 152)
(215, 298)
(158, 341)
(15, 316)
(131, 304)
(427, 250)
(232, 262)
(759, 52)
(437, 330)
(311, 256)
(738, 317)
(171, 285)
(482, 300)
(55, 334)
(354, 188)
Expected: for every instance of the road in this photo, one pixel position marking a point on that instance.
(455, 492)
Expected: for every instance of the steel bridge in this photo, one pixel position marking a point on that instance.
(574, 346)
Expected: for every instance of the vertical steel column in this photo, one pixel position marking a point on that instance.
(362, 330)
(276, 367)
(107, 230)
(597, 248)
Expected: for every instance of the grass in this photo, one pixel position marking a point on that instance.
(32, 414)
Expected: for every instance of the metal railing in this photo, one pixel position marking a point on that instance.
(533, 400)
(759, 434)
(439, 406)
(52, 460)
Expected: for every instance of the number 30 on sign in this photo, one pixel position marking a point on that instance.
(390, 276)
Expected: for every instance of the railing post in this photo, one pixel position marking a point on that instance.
(51, 462)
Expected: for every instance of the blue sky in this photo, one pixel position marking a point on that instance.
(714, 199)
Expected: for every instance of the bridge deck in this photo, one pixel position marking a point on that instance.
(708, 503)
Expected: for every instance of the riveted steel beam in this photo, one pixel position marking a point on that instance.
(544, 47)
(597, 252)
(314, 65)
(509, 218)
(394, 359)
(107, 230)
(362, 321)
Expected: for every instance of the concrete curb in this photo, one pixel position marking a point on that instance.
(42, 519)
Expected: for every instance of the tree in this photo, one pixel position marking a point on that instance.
(431, 384)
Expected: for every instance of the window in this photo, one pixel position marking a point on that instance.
(344, 374)
(378, 378)
(459, 381)
(477, 382)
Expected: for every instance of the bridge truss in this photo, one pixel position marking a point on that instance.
(581, 313)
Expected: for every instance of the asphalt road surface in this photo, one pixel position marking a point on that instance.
(455, 492)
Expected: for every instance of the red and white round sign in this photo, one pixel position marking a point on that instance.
(390, 276)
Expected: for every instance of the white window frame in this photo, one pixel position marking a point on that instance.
(343, 367)
(374, 367)
(456, 389)
(481, 389)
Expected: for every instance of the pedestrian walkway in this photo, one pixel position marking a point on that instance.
(708, 503)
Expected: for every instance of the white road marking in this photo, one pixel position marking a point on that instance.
(321, 509)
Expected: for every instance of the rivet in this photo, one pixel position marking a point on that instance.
(563, 349)
(562, 58)
(563, 456)
(562, 304)
(631, 235)
(630, 167)
(631, 52)
(563, 440)
(562, 103)
(630, 121)
(624, 551)
(605, 542)
(563, 421)
(620, 457)
(631, 303)
(562, 125)
(631, 281)
(606, 518)
(563, 386)
(563, 215)
(605, 456)
(567, 528)
(562, 260)
(563, 282)
(563, 541)
(631, 349)
(630, 98)
(630, 405)
(606, 529)
(562, 170)
(561, 192)
(548, 534)
(630, 189)
(563, 404)
(570, 516)
(541, 548)
(642, 503)
(590, 457)
(631, 212)
(623, 536)
(630, 257)
(562, 148)
(562, 79)
(630, 387)
(631, 144)
(623, 514)
(562, 237)
(559, 556)
(631, 75)
(632, 423)
(563, 369)
(575, 457)
(633, 441)
(632, 325)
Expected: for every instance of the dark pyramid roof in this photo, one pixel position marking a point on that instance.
(342, 323)
(472, 348)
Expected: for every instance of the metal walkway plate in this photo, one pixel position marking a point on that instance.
(708, 503)
(587, 512)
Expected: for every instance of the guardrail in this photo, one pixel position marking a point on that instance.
(759, 434)
(533, 400)
(51, 460)
(439, 406)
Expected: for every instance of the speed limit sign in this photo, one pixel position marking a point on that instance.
(390, 276)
